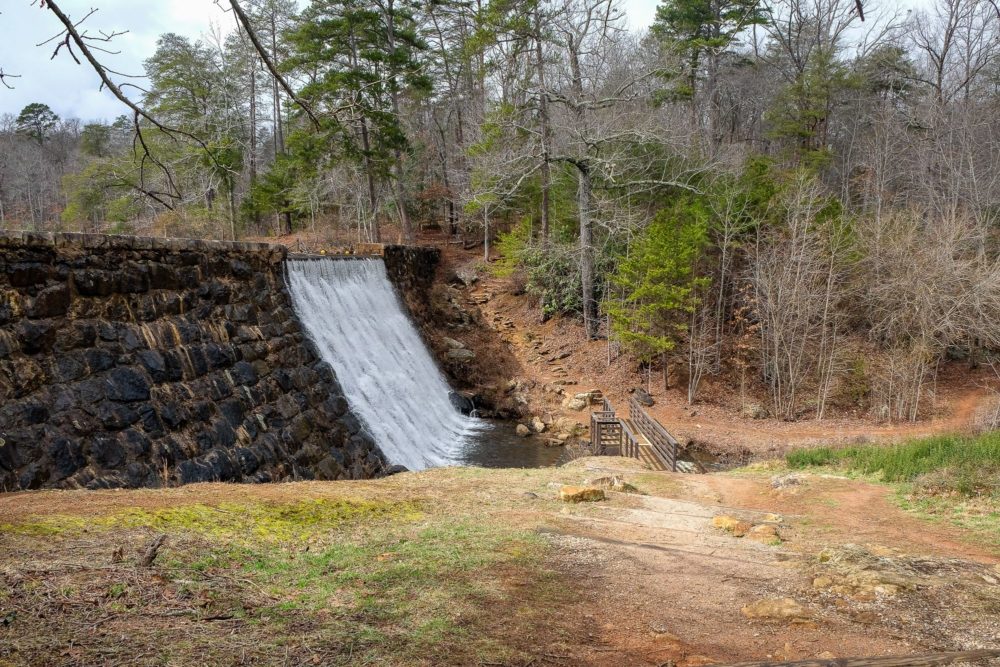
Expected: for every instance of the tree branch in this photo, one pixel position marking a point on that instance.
(262, 52)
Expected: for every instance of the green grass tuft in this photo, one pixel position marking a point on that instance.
(967, 465)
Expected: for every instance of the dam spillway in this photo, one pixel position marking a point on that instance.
(350, 310)
(144, 362)
(132, 361)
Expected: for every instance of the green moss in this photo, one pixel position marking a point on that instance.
(247, 521)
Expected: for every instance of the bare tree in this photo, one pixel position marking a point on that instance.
(795, 274)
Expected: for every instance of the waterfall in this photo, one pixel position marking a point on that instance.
(353, 315)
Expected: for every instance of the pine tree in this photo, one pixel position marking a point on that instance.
(362, 57)
(700, 33)
(36, 120)
(659, 282)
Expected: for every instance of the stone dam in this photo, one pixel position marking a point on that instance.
(131, 362)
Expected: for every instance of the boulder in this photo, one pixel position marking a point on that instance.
(592, 396)
(612, 483)
(565, 425)
(742, 529)
(777, 609)
(724, 522)
(537, 425)
(466, 277)
(453, 344)
(754, 411)
(461, 354)
(581, 494)
(785, 481)
(462, 403)
(575, 403)
(522, 431)
(642, 397)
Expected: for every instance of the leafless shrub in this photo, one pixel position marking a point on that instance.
(927, 286)
(799, 281)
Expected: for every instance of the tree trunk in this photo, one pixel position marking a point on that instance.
(543, 120)
(253, 134)
(370, 177)
(400, 189)
(232, 208)
(666, 371)
(397, 167)
(584, 194)
(279, 138)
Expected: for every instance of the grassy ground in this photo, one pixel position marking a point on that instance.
(468, 566)
(326, 581)
(952, 478)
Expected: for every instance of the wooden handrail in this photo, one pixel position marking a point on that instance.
(598, 420)
(630, 444)
(663, 444)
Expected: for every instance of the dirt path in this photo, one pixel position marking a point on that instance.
(840, 511)
(715, 424)
(677, 586)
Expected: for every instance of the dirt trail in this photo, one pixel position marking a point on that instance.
(958, 410)
(839, 511)
(679, 585)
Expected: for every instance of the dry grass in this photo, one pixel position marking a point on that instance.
(404, 571)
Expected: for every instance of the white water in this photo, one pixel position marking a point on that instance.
(351, 311)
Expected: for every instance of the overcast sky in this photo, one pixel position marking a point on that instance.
(72, 90)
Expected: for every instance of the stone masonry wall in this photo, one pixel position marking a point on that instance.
(130, 362)
(411, 269)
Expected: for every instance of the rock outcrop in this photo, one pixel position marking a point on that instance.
(130, 362)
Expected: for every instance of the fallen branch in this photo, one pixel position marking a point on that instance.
(152, 550)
